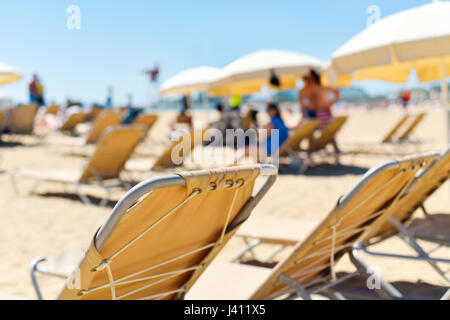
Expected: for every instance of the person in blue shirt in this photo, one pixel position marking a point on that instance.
(276, 134)
(276, 123)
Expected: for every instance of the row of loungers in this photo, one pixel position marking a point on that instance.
(108, 171)
(123, 140)
(161, 239)
(23, 118)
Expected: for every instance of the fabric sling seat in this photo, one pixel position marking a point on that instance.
(163, 234)
(310, 266)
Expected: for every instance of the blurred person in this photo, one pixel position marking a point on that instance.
(319, 102)
(36, 90)
(221, 123)
(250, 121)
(109, 98)
(184, 117)
(233, 114)
(405, 97)
(303, 100)
(265, 140)
(131, 113)
(276, 123)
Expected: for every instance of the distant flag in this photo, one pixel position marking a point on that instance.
(153, 73)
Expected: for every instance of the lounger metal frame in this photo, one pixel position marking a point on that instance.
(99, 181)
(332, 289)
(410, 239)
(144, 188)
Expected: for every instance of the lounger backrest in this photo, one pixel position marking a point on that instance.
(303, 131)
(113, 150)
(186, 142)
(423, 187)
(312, 261)
(23, 119)
(53, 109)
(158, 247)
(73, 120)
(146, 119)
(94, 113)
(100, 124)
(388, 137)
(418, 119)
(328, 134)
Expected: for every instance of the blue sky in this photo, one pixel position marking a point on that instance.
(119, 39)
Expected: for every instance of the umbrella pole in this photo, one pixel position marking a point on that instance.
(444, 97)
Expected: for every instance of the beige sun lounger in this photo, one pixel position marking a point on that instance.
(366, 144)
(162, 235)
(186, 142)
(410, 128)
(435, 228)
(146, 119)
(94, 113)
(23, 119)
(105, 164)
(100, 124)
(328, 134)
(72, 121)
(390, 135)
(396, 137)
(303, 131)
(292, 145)
(310, 266)
(53, 109)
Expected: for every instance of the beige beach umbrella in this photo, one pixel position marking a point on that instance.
(188, 81)
(8, 74)
(417, 38)
(248, 73)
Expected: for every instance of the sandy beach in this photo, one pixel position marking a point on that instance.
(53, 219)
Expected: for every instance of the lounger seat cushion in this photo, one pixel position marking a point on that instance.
(287, 231)
(225, 280)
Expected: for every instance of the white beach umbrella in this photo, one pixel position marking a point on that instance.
(190, 80)
(248, 73)
(8, 74)
(417, 38)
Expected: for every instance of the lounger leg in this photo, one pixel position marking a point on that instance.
(294, 284)
(13, 176)
(274, 253)
(33, 269)
(301, 163)
(105, 199)
(82, 196)
(387, 290)
(446, 295)
(128, 179)
(409, 238)
(126, 185)
(424, 210)
(249, 248)
(34, 187)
